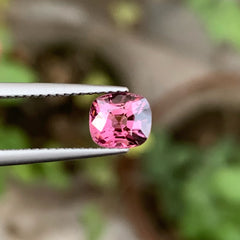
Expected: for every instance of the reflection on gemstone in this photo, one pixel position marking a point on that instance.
(120, 120)
(99, 122)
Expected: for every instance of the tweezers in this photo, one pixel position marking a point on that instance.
(23, 90)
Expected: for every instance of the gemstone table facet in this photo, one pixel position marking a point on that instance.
(120, 120)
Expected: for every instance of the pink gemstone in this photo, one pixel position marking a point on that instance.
(120, 120)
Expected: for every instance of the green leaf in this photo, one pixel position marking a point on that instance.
(97, 77)
(221, 18)
(219, 154)
(6, 42)
(228, 231)
(3, 176)
(24, 173)
(13, 138)
(4, 3)
(126, 13)
(225, 184)
(100, 172)
(11, 71)
(93, 222)
(55, 175)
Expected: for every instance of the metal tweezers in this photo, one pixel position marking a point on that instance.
(23, 90)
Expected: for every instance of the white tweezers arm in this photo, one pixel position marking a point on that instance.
(26, 156)
(14, 90)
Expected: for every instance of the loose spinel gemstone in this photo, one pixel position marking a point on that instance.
(120, 120)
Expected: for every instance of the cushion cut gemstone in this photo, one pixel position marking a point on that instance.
(120, 120)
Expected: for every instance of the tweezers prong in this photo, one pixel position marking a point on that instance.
(26, 156)
(14, 90)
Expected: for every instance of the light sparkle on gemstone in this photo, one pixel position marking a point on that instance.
(120, 120)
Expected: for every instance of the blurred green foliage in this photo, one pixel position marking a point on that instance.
(197, 189)
(10, 69)
(53, 174)
(100, 171)
(5, 40)
(93, 222)
(221, 18)
(4, 3)
(126, 14)
(13, 137)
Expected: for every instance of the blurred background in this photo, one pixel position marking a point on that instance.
(184, 57)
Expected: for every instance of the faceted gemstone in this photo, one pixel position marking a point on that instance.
(120, 120)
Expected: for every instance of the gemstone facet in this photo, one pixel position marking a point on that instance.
(120, 120)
